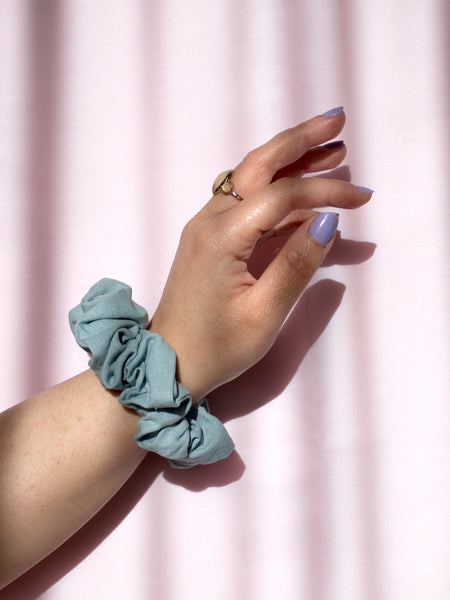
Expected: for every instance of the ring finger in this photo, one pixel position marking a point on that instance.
(263, 211)
(287, 148)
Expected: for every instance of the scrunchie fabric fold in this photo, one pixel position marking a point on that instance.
(110, 326)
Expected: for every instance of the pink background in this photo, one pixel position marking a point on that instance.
(115, 117)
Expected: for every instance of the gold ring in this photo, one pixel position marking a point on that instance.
(223, 183)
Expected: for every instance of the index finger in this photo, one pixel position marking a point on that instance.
(261, 165)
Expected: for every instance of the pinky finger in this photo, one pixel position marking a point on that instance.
(320, 158)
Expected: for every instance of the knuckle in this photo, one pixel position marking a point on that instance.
(204, 237)
(253, 157)
(282, 186)
(300, 262)
(255, 164)
(284, 190)
(199, 228)
(189, 226)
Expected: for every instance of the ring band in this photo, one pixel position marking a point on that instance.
(223, 183)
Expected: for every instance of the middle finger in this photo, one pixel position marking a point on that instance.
(261, 165)
(261, 212)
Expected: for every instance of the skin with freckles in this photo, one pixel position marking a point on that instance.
(65, 452)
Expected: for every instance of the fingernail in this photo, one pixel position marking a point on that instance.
(333, 112)
(324, 227)
(366, 190)
(333, 145)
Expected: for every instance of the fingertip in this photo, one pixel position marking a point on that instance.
(334, 145)
(366, 190)
(323, 228)
(364, 194)
(333, 112)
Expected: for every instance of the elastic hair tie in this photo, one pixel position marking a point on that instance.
(111, 328)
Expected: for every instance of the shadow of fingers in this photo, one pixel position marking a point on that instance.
(270, 376)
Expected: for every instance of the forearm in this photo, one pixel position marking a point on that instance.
(63, 454)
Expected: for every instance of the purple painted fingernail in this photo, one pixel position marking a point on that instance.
(366, 190)
(323, 227)
(333, 112)
(333, 145)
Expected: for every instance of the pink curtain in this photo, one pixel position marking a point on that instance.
(115, 117)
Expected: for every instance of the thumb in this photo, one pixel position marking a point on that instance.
(288, 274)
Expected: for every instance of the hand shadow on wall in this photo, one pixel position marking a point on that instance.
(271, 375)
(255, 388)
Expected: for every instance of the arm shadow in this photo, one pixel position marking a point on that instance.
(252, 390)
(265, 381)
(271, 375)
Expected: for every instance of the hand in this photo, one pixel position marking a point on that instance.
(217, 317)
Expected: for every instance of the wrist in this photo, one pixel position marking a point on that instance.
(128, 356)
(185, 372)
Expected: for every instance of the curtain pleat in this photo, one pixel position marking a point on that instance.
(115, 117)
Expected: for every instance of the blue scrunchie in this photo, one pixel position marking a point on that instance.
(125, 356)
